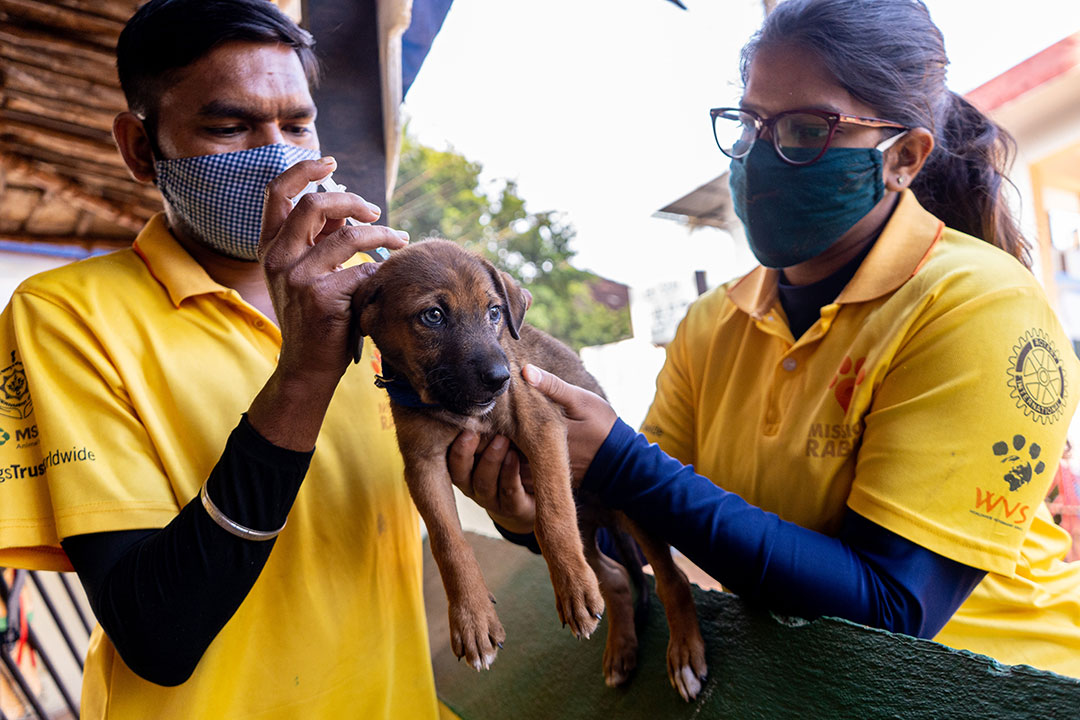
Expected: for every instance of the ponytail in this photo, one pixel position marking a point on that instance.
(963, 181)
(889, 55)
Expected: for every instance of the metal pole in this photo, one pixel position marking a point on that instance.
(36, 645)
(56, 618)
(75, 602)
(349, 97)
(17, 675)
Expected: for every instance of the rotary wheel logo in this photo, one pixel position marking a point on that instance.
(1037, 378)
(14, 394)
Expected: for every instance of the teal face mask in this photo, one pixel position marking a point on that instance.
(793, 213)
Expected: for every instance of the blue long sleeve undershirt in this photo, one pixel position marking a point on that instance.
(867, 574)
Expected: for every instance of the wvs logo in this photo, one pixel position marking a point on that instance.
(1020, 467)
(14, 393)
(996, 504)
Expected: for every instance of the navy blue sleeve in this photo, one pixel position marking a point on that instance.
(527, 540)
(867, 574)
(604, 541)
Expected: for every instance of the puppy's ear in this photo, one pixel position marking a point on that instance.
(364, 312)
(517, 300)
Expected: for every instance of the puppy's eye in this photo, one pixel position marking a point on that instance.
(433, 317)
(495, 313)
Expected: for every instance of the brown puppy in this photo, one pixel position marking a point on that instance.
(449, 328)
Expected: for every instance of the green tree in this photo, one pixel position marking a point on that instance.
(439, 194)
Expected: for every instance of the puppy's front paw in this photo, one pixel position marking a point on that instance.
(579, 602)
(476, 633)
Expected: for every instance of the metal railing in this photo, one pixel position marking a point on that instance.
(56, 631)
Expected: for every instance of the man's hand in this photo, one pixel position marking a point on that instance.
(302, 251)
(589, 418)
(495, 479)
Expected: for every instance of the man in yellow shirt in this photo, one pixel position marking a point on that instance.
(167, 400)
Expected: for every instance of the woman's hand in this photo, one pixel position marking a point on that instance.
(589, 418)
(495, 479)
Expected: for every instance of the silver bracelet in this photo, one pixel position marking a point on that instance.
(234, 527)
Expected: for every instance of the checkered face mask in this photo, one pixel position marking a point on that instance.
(221, 196)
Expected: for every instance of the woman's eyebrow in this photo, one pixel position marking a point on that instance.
(821, 108)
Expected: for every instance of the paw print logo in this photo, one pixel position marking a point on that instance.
(848, 377)
(1020, 468)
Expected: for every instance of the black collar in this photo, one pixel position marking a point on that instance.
(402, 393)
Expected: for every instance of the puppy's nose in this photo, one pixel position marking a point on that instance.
(495, 376)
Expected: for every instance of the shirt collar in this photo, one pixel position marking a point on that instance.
(170, 264)
(898, 254)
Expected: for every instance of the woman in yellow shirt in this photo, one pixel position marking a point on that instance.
(874, 414)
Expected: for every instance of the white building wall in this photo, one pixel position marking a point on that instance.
(16, 267)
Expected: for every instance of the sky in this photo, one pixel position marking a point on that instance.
(599, 108)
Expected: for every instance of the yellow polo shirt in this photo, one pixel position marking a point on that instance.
(124, 376)
(932, 397)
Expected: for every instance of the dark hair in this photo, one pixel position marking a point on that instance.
(164, 36)
(889, 55)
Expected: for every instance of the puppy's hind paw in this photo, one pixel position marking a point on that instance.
(620, 660)
(686, 667)
(687, 683)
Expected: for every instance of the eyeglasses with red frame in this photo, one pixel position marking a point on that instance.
(800, 137)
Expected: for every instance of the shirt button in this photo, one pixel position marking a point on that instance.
(259, 324)
(789, 364)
